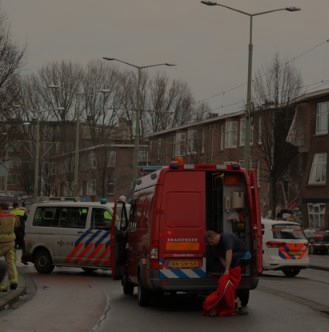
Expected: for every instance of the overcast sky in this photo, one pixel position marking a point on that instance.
(209, 45)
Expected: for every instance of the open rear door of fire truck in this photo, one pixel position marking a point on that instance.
(256, 221)
(119, 239)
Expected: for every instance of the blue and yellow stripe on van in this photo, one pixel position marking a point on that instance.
(92, 248)
(182, 273)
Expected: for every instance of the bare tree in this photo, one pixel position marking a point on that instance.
(169, 105)
(275, 89)
(11, 62)
(103, 99)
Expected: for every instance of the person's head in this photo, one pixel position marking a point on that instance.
(4, 206)
(15, 205)
(212, 238)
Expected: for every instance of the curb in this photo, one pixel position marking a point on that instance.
(7, 299)
(322, 268)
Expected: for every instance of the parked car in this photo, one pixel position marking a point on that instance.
(285, 247)
(318, 240)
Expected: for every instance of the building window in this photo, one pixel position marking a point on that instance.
(91, 187)
(222, 137)
(316, 214)
(192, 141)
(143, 157)
(159, 150)
(322, 110)
(318, 174)
(230, 134)
(71, 165)
(67, 189)
(242, 131)
(180, 144)
(111, 159)
(64, 166)
(93, 160)
(260, 131)
(111, 186)
(12, 178)
(52, 168)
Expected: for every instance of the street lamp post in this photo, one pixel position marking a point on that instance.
(138, 111)
(247, 156)
(37, 155)
(37, 159)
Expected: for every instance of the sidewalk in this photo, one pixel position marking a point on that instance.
(13, 295)
(10, 297)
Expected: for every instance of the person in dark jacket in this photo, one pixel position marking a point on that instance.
(227, 248)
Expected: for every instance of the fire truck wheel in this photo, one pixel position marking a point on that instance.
(144, 295)
(128, 288)
(243, 295)
(290, 271)
(43, 262)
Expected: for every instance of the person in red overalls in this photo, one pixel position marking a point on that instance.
(228, 249)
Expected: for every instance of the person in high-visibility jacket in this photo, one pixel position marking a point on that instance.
(19, 231)
(8, 223)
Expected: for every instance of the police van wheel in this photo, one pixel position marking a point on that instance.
(290, 271)
(144, 295)
(42, 261)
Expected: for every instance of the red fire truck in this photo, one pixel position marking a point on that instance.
(160, 248)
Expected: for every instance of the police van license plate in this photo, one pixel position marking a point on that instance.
(183, 264)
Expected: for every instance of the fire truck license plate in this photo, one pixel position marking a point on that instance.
(184, 264)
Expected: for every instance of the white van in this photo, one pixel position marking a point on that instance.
(285, 247)
(75, 234)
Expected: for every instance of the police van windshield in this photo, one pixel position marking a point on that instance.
(287, 231)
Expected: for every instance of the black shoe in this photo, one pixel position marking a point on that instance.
(24, 262)
(13, 286)
(241, 312)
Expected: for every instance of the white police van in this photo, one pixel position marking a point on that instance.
(285, 247)
(73, 234)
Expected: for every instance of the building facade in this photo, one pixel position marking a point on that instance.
(106, 166)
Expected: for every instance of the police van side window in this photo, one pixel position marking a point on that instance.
(65, 217)
(101, 219)
(71, 217)
(45, 217)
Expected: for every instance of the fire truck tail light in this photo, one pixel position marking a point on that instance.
(154, 256)
(275, 244)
